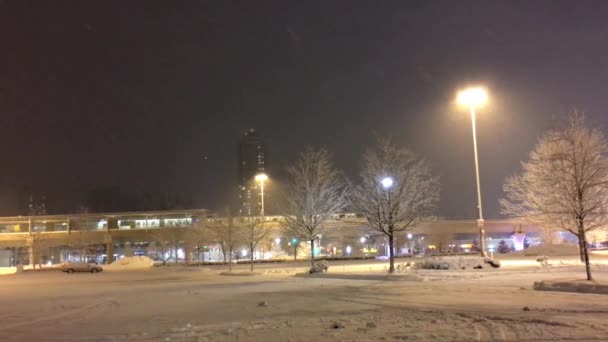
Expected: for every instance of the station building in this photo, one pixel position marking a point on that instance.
(105, 237)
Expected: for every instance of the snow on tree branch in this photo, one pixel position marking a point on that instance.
(314, 192)
(409, 200)
(564, 183)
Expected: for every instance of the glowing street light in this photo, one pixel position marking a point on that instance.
(261, 177)
(362, 239)
(474, 98)
(387, 182)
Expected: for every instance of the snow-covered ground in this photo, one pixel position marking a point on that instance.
(348, 303)
(551, 250)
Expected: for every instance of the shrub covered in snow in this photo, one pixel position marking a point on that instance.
(543, 260)
(319, 267)
(456, 263)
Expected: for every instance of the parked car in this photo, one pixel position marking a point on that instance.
(72, 267)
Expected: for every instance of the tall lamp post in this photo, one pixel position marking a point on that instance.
(387, 184)
(474, 98)
(261, 177)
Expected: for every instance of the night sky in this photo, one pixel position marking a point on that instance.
(151, 96)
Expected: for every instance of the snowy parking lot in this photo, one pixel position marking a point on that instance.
(352, 304)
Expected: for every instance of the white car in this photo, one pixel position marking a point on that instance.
(72, 267)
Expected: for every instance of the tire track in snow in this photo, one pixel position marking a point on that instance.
(482, 333)
(77, 314)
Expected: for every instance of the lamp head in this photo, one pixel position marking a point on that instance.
(261, 177)
(387, 182)
(475, 96)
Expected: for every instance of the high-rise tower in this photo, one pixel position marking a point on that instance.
(252, 159)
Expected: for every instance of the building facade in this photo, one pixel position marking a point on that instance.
(252, 160)
(188, 235)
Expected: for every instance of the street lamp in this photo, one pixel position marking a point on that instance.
(261, 177)
(387, 182)
(473, 98)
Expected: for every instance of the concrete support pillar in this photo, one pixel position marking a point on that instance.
(112, 223)
(15, 258)
(189, 250)
(32, 256)
(109, 248)
(518, 240)
(55, 256)
(109, 252)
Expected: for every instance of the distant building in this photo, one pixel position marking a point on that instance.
(252, 159)
(32, 204)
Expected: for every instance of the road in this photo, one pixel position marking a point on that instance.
(198, 304)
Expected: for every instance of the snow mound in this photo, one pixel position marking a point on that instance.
(319, 267)
(239, 274)
(8, 270)
(550, 250)
(571, 286)
(454, 263)
(132, 262)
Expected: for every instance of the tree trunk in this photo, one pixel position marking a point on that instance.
(581, 247)
(391, 253)
(251, 258)
(175, 252)
(312, 253)
(229, 260)
(582, 237)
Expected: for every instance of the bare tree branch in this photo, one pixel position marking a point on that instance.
(410, 200)
(228, 234)
(315, 192)
(564, 183)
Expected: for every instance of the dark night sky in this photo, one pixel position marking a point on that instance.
(136, 94)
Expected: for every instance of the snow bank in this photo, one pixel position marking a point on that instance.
(130, 263)
(7, 270)
(239, 274)
(550, 250)
(571, 286)
(453, 263)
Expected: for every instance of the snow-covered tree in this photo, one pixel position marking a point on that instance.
(442, 240)
(503, 247)
(397, 191)
(256, 231)
(166, 242)
(315, 191)
(564, 183)
(228, 234)
(195, 237)
(41, 245)
(86, 243)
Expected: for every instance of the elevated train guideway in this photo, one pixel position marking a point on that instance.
(107, 228)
